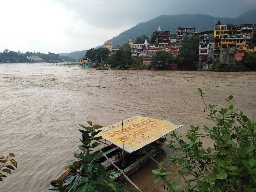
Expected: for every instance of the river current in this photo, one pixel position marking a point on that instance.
(42, 105)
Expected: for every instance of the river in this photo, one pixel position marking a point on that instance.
(42, 105)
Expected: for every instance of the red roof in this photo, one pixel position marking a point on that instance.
(239, 56)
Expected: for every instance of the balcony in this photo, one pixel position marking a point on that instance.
(203, 46)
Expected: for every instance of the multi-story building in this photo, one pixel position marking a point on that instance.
(220, 31)
(206, 47)
(161, 38)
(35, 59)
(228, 36)
(162, 41)
(225, 43)
(249, 33)
(137, 50)
(231, 41)
(240, 36)
(182, 32)
(109, 46)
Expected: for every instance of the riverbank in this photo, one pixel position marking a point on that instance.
(42, 105)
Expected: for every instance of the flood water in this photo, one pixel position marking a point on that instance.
(42, 105)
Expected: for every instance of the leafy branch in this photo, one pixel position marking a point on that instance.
(229, 164)
(90, 175)
(7, 164)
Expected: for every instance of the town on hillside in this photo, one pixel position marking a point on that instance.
(227, 43)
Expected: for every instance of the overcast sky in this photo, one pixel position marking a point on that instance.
(62, 26)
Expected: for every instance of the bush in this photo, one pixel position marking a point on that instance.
(229, 165)
(137, 64)
(89, 174)
(249, 60)
(232, 67)
(217, 66)
(7, 164)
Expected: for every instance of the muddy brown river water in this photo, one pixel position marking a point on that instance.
(42, 105)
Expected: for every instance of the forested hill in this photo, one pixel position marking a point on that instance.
(248, 16)
(77, 55)
(172, 22)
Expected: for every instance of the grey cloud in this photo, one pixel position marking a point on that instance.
(117, 13)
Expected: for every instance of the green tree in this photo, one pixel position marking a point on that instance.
(126, 53)
(141, 39)
(231, 67)
(116, 60)
(7, 164)
(249, 60)
(18, 57)
(102, 54)
(188, 57)
(97, 55)
(122, 58)
(153, 38)
(6, 51)
(137, 63)
(161, 60)
(90, 54)
(12, 57)
(90, 174)
(217, 66)
(228, 165)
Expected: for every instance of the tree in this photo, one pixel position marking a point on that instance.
(90, 54)
(18, 57)
(141, 39)
(97, 55)
(122, 59)
(235, 66)
(137, 63)
(249, 60)
(161, 60)
(101, 54)
(7, 164)
(153, 38)
(189, 53)
(90, 175)
(126, 53)
(6, 51)
(228, 165)
(116, 60)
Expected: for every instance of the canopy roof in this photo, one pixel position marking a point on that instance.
(136, 132)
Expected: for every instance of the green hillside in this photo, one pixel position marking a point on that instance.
(77, 55)
(249, 16)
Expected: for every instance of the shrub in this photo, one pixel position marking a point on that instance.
(229, 165)
(232, 67)
(217, 66)
(89, 174)
(7, 164)
(137, 64)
